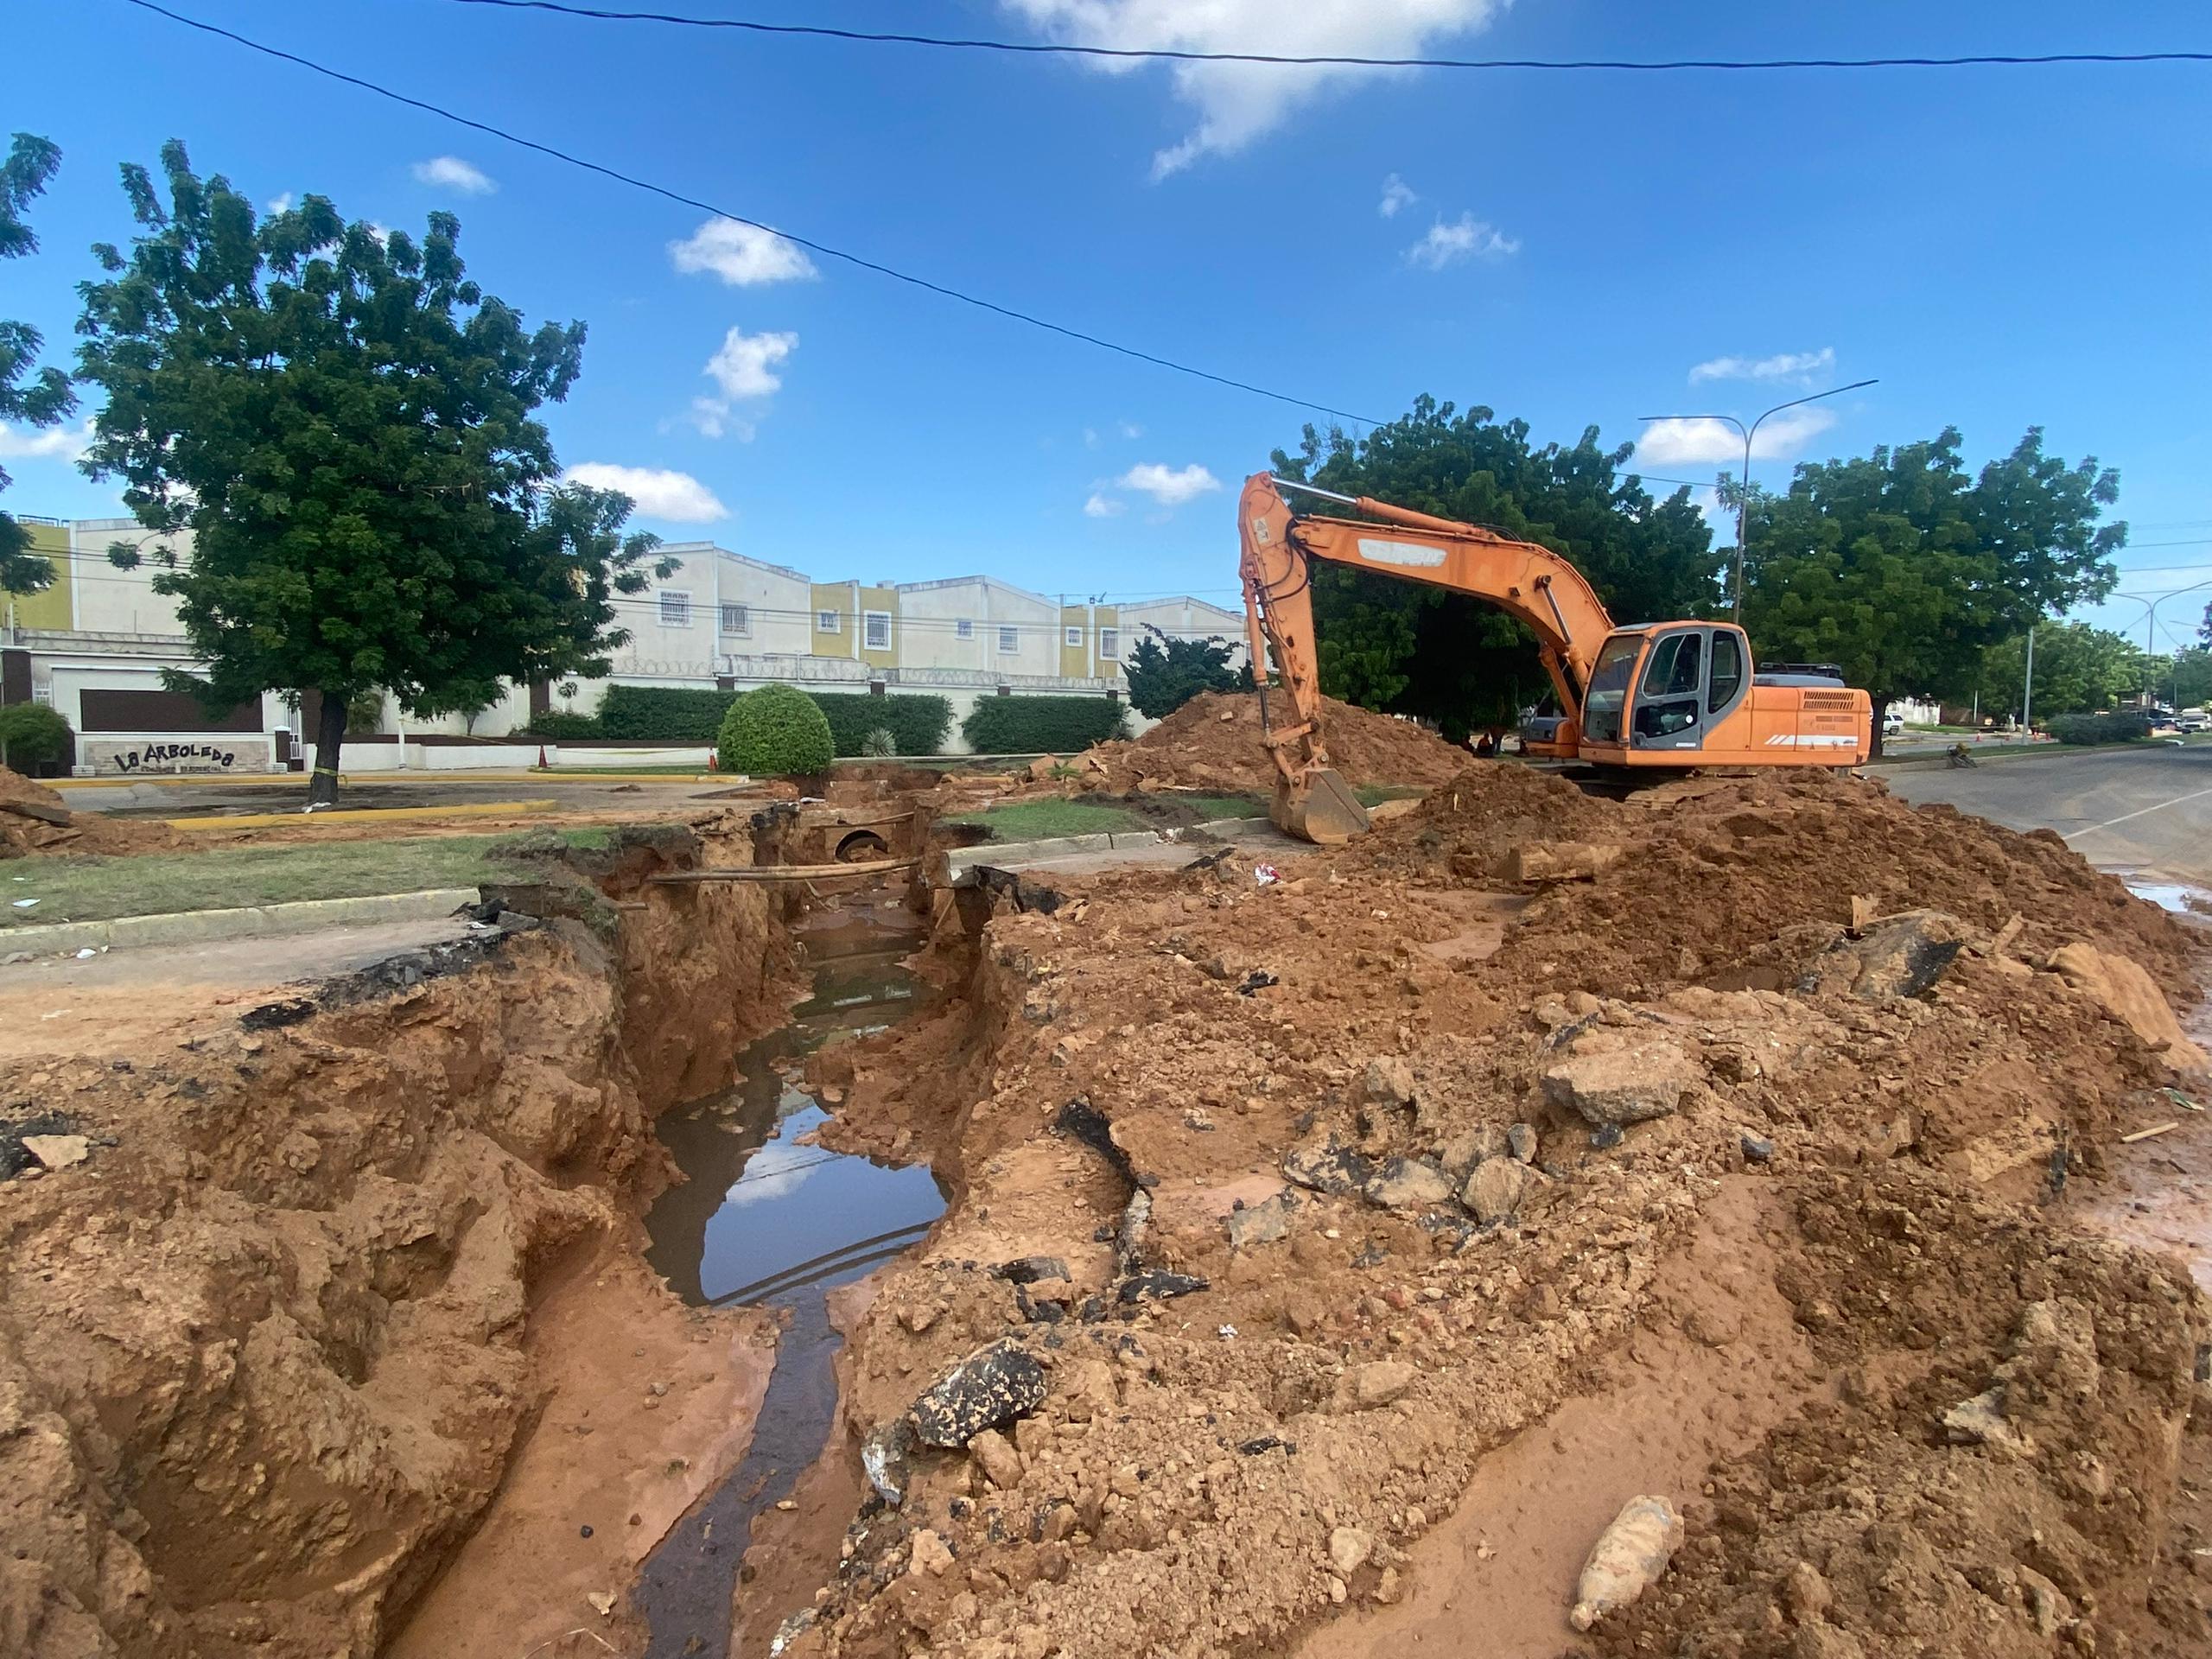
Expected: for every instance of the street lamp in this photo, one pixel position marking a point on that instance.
(2150, 603)
(1744, 485)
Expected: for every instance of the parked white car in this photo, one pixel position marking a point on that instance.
(1892, 724)
(2193, 719)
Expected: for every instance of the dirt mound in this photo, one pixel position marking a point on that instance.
(36, 819)
(1213, 742)
(1472, 823)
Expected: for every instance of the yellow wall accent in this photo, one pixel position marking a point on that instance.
(1107, 616)
(879, 598)
(51, 607)
(833, 596)
(1075, 660)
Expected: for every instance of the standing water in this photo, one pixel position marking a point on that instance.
(769, 1218)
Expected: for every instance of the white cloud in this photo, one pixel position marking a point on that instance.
(744, 256)
(44, 442)
(771, 1173)
(1131, 429)
(745, 370)
(279, 204)
(451, 173)
(1701, 440)
(1237, 103)
(1103, 506)
(1396, 193)
(1169, 485)
(1785, 365)
(674, 498)
(1090, 437)
(1466, 238)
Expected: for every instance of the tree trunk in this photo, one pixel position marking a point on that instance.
(329, 735)
(1881, 714)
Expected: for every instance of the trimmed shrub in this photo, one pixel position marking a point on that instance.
(1042, 725)
(561, 723)
(2119, 727)
(31, 733)
(664, 714)
(917, 724)
(774, 730)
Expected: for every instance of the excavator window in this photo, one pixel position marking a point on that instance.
(1610, 678)
(1727, 670)
(1667, 711)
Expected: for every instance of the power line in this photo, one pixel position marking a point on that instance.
(822, 248)
(1170, 55)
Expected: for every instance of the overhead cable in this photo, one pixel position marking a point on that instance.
(826, 251)
(1330, 61)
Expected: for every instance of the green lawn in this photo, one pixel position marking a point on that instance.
(99, 889)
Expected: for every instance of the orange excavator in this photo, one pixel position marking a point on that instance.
(1676, 695)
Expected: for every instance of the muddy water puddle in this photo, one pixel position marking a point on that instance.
(766, 1217)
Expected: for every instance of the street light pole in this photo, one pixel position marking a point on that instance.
(1743, 483)
(2150, 602)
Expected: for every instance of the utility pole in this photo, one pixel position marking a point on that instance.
(1744, 484)
(2028, 687)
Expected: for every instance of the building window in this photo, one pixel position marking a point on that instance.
(876, 635)
(964, 629)
(675, 608)
(1009, 641)
(737, 619)
(828, 622)
(1075, 637)
(1109, 644)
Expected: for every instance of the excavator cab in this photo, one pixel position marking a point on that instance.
(1664, 686)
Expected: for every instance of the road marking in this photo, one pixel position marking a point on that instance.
(2176, 801)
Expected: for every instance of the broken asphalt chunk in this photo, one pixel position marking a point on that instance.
(992, 1386)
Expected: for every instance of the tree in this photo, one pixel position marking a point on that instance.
(2079, 670)
(1904, 571)
(1166, 673)
(344, 421)
(1411, 648)
(31, 733)
(44, 398)
(2187, 677)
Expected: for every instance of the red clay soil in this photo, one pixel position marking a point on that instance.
(36, 819)
(1213, 742)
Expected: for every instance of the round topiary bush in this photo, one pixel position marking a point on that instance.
(776, 729)
(30, 733)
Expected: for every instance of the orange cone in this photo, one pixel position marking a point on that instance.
(540, 757)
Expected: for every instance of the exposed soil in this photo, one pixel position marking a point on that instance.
(35, 819)
(1376, 1227)
(1213, 742)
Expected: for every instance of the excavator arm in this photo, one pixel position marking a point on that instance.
(1525, 580)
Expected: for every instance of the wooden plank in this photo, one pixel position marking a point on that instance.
(780, 872)
(2144, 1135)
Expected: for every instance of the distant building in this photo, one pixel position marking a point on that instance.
(94, 644)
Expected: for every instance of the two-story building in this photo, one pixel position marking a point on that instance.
(94, 643)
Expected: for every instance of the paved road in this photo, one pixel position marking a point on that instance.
(2147, 809)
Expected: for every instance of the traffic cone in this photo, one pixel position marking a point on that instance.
(713, 760)
(540, 757)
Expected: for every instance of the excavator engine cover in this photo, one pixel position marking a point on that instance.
(1322, 810)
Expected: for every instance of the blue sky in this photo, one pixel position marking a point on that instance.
(2001, 248)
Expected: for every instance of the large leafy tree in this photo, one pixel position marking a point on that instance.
(1166, 672)
(1904, 568)
(1411, 648)
(345, 424)
(33, 396)
(2077, 668)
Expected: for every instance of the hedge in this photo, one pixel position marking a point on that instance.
(664, 714)
(2097, 728)
(1042, 725)
(776, 730)
(917, 724)
(561, 723)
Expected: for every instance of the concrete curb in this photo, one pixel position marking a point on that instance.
(994, 852)
(209, 926)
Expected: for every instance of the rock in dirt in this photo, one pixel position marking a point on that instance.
(929, 1555)
(1493, 1191)
(1559, 861)
(1627, 1558)
(2122, 990)
(1628, 1083)
(1409, 1184)
(1981, 1421)
(1159, 1285)
(993, 1385)
(1902, 955)
(57, 1151)
(1260, 1223)
(1031, 1270)
(1348, 1548)
(1328, 1166)
(995, 1456)
(884, 1453)
(1521, 1140)
(1389, 1081)
(1381, 1381)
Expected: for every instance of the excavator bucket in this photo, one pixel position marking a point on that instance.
(1323, 809)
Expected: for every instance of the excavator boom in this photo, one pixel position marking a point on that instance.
(1667, 694)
